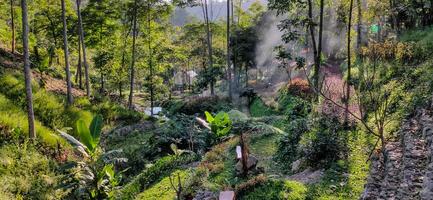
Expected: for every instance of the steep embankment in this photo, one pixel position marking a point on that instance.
(13, 61)
(406, 172)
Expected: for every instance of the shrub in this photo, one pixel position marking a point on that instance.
(183, 130)
(288, 145)
(300, 88)
(324, 143)
(292, 106)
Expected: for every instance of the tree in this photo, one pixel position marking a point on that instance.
(204, 5)
(359, 26)
(27, 71)
(134, 36)
(79, 75)
(347, 96)
(12, 25)
(229, 68)
(319, 49)
(83, 47)
(66, 52)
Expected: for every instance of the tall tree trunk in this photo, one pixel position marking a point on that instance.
(313, 44)
(229, 68)
(12, 25)
(347, 98)
(66, 52)
(319, 49)
(359, 26)
(209, 43)
(149, 28)
(134, 35)
(79, 76)
(83, 46)
(27, 71)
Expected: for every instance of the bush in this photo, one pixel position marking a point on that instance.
(324, 143)
(288, 146)
(183, 130)
(150, 175)
(27, 174)
(300, 88)
(293, 107)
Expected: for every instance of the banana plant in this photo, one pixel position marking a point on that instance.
(220, 124)
(89, 135)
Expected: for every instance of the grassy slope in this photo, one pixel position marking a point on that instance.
(163, 189)
(13, 118)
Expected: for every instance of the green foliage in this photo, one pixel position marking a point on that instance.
(152, 174)
(259, 109)
(237, 116)
(197, 105)
(26, 173)
(163, 189)
(90, 135)
(14, 118)
(49, 109)
(288, 146)
(220, 124)
(276, 190)
(292, 106)
(325, 142)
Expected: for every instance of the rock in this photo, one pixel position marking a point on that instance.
(251, 164)
(227, 195)
(205, 195)
(296, 166)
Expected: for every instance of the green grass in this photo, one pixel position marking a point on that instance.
(153, 174)
(27, 174)
(346, 179)
(259, 109)
(49, 109)
(163, 189)
(264, 148)
(276, 190)
(14, 118)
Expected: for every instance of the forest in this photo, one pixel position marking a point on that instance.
(216, 99)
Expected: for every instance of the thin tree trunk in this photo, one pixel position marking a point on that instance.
(66, 51)
(359, 26)
(319, 48)
(83, 46)
(349, 26)
(13, 25)
(27, 71)
(313, 43)
(79, 76)
(134, 35)
(209, 43)
(229, 68)
(150, 60)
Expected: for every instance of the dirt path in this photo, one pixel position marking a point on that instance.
(334, 87)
